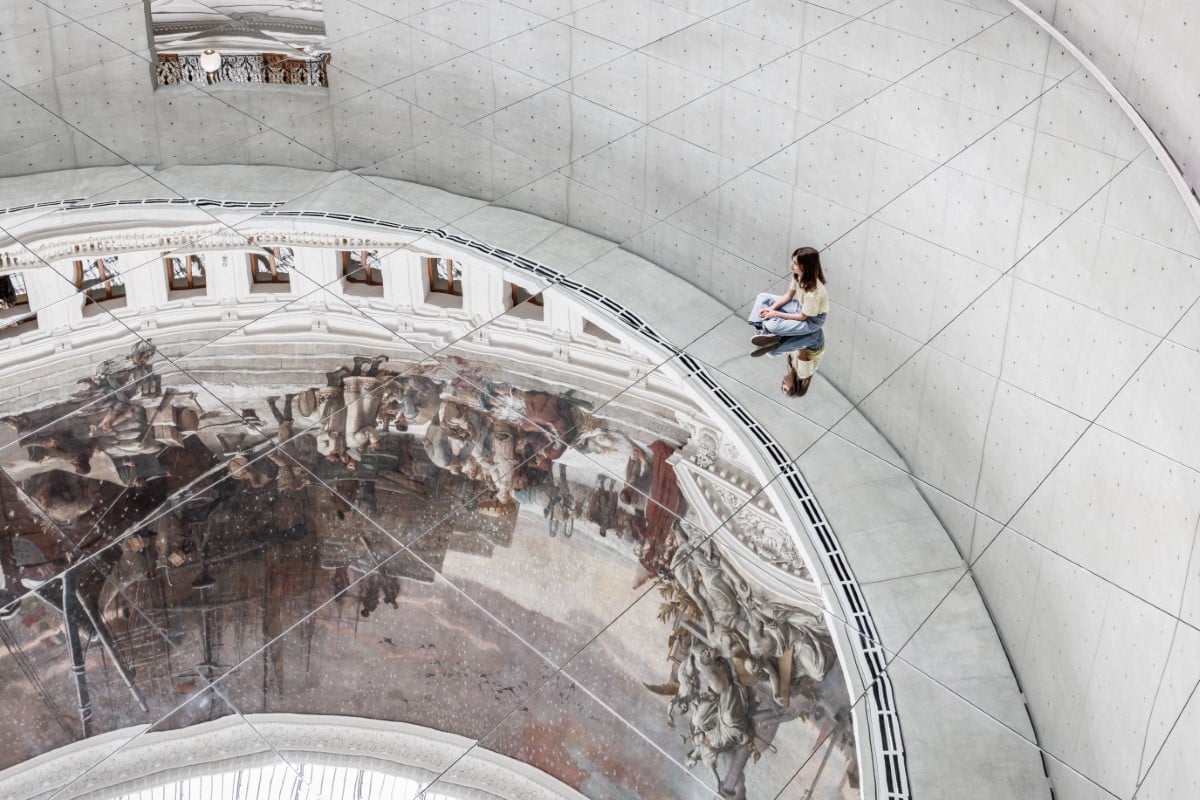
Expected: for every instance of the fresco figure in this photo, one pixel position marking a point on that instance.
(187, 512)
(782, 656)
(362, 396)
(293, 456)
(78, 452)
(603, 505)
(651, 486)
(560, 511)
(331, 413)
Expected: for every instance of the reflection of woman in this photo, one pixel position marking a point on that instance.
(804, 363)
(126, 436)
(293, 451)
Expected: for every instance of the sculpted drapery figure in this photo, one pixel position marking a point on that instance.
(745, 656)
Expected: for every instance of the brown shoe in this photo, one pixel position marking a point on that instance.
(764, 339)
(762, 351)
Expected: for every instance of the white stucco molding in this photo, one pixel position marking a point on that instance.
(131, 759)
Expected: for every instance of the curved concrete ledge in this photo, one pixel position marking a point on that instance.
(966, 733)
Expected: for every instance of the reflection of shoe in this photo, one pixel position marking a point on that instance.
(764, 339)
(762, 351)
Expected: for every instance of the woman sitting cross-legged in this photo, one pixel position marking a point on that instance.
(798, 312)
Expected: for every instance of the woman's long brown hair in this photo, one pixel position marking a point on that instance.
(810, 267)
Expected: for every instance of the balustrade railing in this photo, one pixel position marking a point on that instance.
(175, 69)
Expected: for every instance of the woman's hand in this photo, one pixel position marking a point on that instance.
(768, 313)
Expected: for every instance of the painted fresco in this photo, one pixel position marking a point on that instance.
(452, 544)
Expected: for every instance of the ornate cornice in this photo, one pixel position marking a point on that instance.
(192, 239)
(240, 23)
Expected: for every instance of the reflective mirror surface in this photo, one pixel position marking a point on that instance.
(461, 543)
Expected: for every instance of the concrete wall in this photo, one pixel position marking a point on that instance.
(1014, 278)
(1147, 49)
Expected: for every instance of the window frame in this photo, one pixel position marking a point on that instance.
(362, 272)
(105, 280)
(532, 298)
(17, 281)
(453, 286)
(277, 277)
(192, 263)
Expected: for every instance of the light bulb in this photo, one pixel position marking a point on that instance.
(210, 60)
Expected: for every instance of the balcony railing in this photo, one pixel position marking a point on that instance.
(275, 68)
